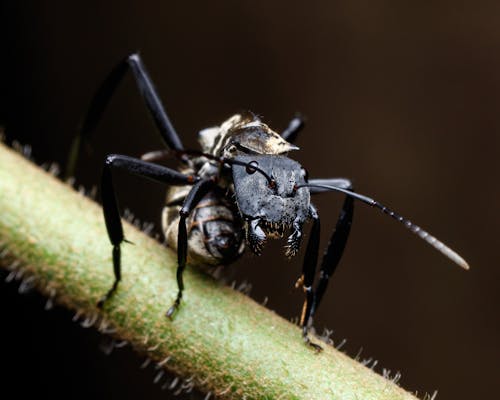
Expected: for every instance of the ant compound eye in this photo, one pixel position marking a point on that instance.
(249, 168)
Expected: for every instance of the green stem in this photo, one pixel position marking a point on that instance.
(228, 343)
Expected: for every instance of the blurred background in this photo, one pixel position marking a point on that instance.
(404, 99)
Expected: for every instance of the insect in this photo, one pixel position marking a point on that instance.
(238, 190)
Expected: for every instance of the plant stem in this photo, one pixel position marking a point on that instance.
(228, 343)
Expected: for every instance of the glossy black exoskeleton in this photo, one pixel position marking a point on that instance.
(240, 189)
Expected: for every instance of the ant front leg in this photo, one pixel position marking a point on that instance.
(114, 226)
(331, 258)
(194, 196)
(307, 277)
(338, 239)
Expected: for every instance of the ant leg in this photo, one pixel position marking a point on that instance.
(330, 260)
(334, 250)
(110, 205)
(307, 277)
(293, 129)
(338, 239)
(194, 196)
(103, 96)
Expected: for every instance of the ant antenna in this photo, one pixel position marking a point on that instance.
(433, 241)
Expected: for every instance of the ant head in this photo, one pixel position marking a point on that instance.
(266, 190)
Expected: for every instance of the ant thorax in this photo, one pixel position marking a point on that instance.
(243, 134)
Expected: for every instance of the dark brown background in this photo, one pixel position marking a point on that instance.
(404, 99)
